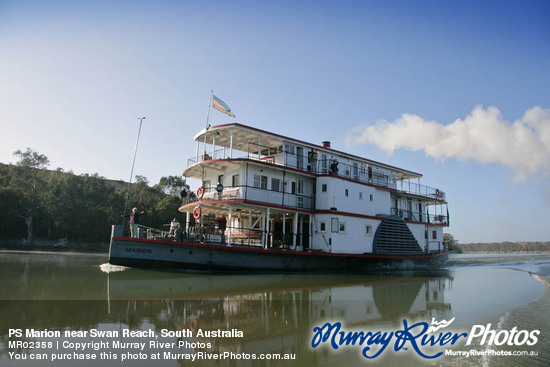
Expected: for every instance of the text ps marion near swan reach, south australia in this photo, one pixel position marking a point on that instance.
(424, 341)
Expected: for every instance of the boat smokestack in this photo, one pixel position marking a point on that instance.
(325, 144)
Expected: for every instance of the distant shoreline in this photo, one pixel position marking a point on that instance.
(50, 252)
(503, 252)
(73, 246)
(503, 247)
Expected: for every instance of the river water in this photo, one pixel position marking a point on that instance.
(271, 316)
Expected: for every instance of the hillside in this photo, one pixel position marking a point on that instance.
(40, 206)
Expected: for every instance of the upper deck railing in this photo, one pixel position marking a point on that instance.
(257, 194)
(324, 166)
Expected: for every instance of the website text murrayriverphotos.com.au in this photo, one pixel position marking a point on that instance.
(421, 339)
(127, 345)
(427, 341)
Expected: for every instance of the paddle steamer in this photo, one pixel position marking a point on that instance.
(268, 202)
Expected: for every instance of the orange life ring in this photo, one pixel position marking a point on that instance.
(200, 192)
(197, 212)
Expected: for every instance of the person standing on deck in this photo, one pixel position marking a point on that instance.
(222, 224)
(174, 229)
(134, 222)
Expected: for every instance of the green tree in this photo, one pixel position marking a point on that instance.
(451, 243)
(172, 185)
(10, 224)
(178, 192)
(56, 204)
(30, 163)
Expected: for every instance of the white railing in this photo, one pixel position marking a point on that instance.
(349, 171)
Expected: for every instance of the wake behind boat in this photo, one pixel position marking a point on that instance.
(273, 203)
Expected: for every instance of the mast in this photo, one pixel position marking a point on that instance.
(132, 171)
(207, 125)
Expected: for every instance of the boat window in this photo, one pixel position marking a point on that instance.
(324, 187)
(371, 197)
(322, 226)
(275, 184)
(347, 192)
(220, 179)
(260, 182)
(334, 225)
(263, 183)
(368, 229)
(361, 196)
(293, 187)
(434, 235)
(206, 184)
(235, 180)
(290, 149)
(300, 158)
(324, 163)
(342, 227)
(312, 161)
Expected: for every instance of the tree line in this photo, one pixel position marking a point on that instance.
(505, 247)
(40, 206)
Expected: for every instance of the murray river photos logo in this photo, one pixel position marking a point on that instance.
(428, 341)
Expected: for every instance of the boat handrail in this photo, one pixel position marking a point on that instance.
(416, 216)
(240, 236)
(258, 194)
(345, 170)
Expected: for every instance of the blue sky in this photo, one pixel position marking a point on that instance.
(75, 76)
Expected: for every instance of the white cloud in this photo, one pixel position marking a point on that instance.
(483, 136)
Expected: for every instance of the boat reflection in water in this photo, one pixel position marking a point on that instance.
(277, 313)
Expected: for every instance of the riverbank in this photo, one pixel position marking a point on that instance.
(59, 246)
(505, 247)
(60, 252)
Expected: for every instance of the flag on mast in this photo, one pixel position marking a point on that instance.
(221, 106)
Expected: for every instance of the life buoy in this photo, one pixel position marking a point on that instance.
(200, 192)
(197, 212)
